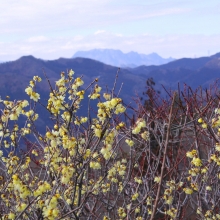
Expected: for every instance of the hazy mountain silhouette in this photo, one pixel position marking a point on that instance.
(120, 59)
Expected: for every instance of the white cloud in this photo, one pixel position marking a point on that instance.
(176, 46)
(37, 39)
(58, 28)
(99, 32)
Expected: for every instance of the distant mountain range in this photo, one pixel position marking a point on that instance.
(193, 72)
(119, 59)
(15, 76)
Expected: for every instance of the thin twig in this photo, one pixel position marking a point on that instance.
(164, 159)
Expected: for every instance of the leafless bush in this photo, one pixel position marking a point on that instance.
(161, 164)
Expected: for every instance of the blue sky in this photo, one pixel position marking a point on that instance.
(50, 29)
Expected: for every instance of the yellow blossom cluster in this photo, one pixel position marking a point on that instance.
(108, 141)
(216, 119)
(217, 147)
(134, 196)
(50, 210)
(96, 93)
(120, 125)
(121, 212)
(209, 215)
(201, 121)
(95, 165)
(67, 172)
(63, 157)
(171, 187)
(196, 161)
(118, 168)
(194, 171)
(56, 103)
(139, 125)
(10, 162)
(149, 200)
(29, 90)
(42, 188)
(138, 180)
(105, 109)
(215, 158)
(172, 213)
(129, 142)
(12, 111)
(191, 154)
(81, 162)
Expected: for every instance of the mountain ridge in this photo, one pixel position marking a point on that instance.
(118, 58)
(15, 77)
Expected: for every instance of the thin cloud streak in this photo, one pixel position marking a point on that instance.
(54, 15)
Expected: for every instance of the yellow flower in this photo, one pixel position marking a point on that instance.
(157, 179)
(217, 147)
(145, 135)
(35, 117)
(95, 165)
(191, 154)
(32, 83)
(171, 212)
(113, 102)
(204, 170)
(24, 103)
(199, 210)
(168, 199)
(37, 78)
(134, 196)
(71, 73)
(200, 120)
(83, 120)
(119, 109)
(188, 190)
(121, 212)
(13, 116)
(137, 210)
(11, 216)
(204, 125)
(78, 82)
(28, 90)
(196, 161)
(208, 188)
(137, 180)
(107, 96)
(149, 200)
(21, 207)
(129, 142)
(35, 96)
